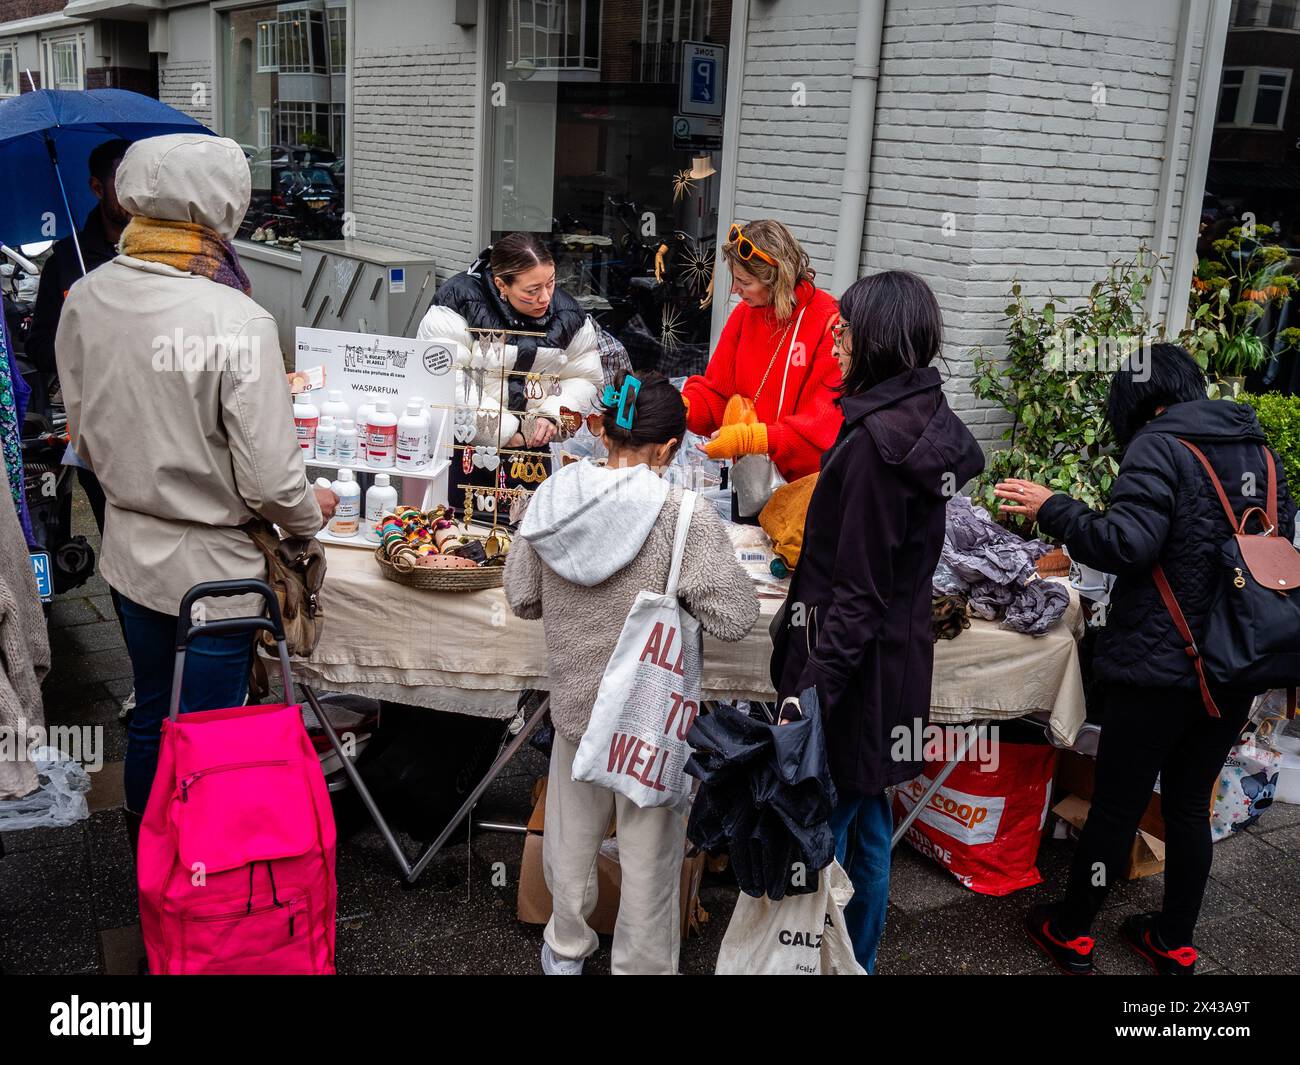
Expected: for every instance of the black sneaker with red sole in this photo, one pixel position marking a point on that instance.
(1139, 932)
(1072, 956)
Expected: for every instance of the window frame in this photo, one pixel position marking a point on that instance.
(1248, 98)
(268, 40)
(77, 39)
(11, 48)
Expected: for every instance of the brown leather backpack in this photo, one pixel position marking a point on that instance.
(295, 569)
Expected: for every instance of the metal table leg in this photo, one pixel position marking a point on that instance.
(963, 746)
(410, 871)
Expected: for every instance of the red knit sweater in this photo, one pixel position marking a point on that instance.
(809, 418)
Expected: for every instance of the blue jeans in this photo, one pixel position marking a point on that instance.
(863, 825)
(216, 676)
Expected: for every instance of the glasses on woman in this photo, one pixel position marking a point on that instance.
(839, 330)
(745, 248)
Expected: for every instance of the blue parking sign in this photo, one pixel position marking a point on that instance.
(43, 573)
(703, 78)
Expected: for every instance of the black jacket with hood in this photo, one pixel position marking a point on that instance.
(1163, 508)
(858, 619)
(474, 296)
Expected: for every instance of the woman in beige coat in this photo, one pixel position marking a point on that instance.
(176, 398)
(592, 538)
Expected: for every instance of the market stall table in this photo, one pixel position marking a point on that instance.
(466, 653)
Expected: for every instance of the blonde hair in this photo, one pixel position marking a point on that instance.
(793, 264)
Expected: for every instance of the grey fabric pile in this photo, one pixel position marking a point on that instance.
(995, 570)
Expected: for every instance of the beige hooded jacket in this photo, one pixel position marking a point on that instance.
(176, 396)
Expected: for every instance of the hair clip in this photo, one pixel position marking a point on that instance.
(467, 460)
(469, 503)
(556, 390)
(626, 409)
(501, 476)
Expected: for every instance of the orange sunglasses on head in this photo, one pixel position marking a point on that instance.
(745, 248)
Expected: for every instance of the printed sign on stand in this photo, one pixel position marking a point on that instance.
(366, 367)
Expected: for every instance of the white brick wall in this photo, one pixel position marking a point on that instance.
(176, 81)
(984, 111)
(411, 164)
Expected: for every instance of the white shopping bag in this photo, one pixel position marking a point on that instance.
(635, 743)
(802, 935)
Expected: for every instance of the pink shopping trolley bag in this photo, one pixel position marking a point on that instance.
(236, 854)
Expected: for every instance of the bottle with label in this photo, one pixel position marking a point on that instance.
(381, 436)
(345, 443)
(381, 499)
(428, 427)
(326, 439)
(412, 439)
(347, 515)
(364, 411)
(306, 418)
(335, 408)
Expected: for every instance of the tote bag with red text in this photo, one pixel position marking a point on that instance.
(635, 743)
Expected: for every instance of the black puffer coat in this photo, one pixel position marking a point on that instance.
(1163, 508)
(474, 296)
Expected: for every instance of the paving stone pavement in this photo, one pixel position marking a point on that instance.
(67, 896)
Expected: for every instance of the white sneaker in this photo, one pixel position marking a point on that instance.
(556, 966)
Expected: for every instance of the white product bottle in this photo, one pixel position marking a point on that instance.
(335, 407)
(364, 411)
(345, 443)
(428, 427)
(381, 499)
(326, 439)
(381, 436)
(412, 439)
(347, 515)
(306, 418)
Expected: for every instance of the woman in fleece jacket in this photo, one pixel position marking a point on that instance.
(591, 539)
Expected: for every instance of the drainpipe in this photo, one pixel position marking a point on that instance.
(1213, 39)
(857, 157)
(1173, 140)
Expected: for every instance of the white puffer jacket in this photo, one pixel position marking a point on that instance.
(570, 377)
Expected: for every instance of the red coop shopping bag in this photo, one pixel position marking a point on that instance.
(984, 827)
(635, 743)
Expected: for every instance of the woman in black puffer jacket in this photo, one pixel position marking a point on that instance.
(1163, 509)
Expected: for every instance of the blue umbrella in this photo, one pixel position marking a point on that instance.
(45, 132)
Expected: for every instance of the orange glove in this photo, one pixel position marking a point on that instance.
(733, 441)
(739, 411)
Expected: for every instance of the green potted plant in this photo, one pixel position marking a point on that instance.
(1054, 383)
(1231, 291)
(1279, 417)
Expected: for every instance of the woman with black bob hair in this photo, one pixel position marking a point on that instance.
(857, 623)
(1163, 509)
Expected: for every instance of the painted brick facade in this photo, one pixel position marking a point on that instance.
(187, 86)
(412, 159)
(990, 162)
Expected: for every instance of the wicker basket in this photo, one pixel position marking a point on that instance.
(443, 580)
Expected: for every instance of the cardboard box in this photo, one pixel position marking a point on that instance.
(1076, 775)
(1147, 855)
(534, 902)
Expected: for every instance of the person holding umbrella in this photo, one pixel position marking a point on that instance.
(98, 239)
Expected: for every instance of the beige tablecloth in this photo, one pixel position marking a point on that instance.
(466, 652)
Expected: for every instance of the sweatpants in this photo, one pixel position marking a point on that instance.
(1150, 731)
(651, 843)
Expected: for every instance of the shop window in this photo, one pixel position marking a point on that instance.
(8, 69)
(590, 152)
(282, 104)
(1252, 183)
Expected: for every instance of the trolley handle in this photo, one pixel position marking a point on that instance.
(185, 632)
(224, 589)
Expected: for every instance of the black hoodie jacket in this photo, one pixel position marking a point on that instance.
(857, 623)
(1163, 508)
